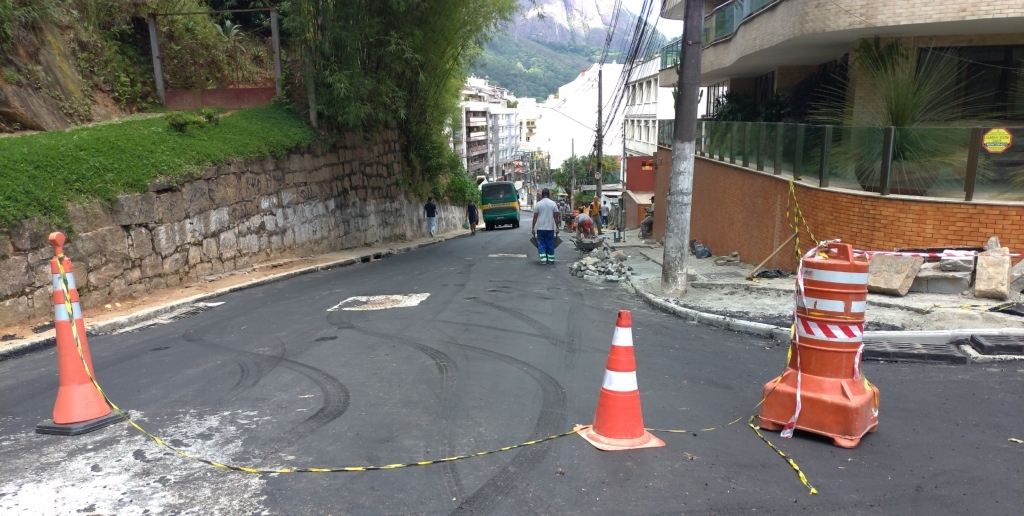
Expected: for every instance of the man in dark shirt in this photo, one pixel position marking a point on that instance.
(430, 209)
(472, 217)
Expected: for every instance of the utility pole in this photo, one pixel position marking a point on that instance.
(599, 193)
(572, 175)
(680, 189)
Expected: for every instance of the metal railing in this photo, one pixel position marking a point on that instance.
(945, 162)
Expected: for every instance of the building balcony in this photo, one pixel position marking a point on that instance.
(752, 37)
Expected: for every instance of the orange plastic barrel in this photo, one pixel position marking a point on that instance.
(836, 400)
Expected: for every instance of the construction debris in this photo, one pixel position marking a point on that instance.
(732, 259)
(602, 264)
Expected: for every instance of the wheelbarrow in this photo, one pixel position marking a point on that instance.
(586, 246)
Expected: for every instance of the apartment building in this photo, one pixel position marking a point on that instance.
(487, 133)
(646, 102)
(761, 47)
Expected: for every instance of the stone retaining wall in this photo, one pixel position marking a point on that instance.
(228, 218)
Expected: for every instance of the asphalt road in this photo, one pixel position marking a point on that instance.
(502, 351)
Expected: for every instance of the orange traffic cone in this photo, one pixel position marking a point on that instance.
(80, 408)
(618, 423)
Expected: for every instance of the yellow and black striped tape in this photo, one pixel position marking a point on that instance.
(977, 308)
(352, 469)
(792, 463)
(798, 216)
(245, 469)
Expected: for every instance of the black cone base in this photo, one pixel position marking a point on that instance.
(49, 427)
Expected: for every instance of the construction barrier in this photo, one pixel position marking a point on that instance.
(79, 408)
(823, 390)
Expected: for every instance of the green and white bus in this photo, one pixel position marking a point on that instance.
(499, 203)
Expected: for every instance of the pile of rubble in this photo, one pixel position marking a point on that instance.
(602, 264)
(986, 274)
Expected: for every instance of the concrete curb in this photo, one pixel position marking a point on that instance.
(117, 323)
(781, 334)
(718, 321)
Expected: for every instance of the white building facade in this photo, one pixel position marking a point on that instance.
(569, 119)
(487, 134)
(646, 102)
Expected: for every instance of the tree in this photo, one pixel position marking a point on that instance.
(396, 64)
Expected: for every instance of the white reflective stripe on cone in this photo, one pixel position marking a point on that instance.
(58, 286)
(833, 332)
(60, 313)
(828, 305)
(620, 382)
(848, 278)
(623, 337)
(858, 306)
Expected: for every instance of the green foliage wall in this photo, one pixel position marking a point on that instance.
(396, 63)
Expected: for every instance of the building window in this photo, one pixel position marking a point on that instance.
(990, 81)
(764, 88)
(714, 92)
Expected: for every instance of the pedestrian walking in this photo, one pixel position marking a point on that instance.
(605, 210)
(430, 210)
(545, 227)
(471, 217)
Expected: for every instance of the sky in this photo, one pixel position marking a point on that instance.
(670, 28)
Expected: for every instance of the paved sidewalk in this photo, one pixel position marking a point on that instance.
(163, 302)
(930, 327)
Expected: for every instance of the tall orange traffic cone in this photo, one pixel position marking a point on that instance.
(80, 408)
(618, 423)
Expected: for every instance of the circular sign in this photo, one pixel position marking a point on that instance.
(997, 140)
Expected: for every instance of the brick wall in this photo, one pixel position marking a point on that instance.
(230, 218)
(736, 209)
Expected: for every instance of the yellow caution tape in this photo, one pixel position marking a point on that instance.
(798, 217)
(792, 463)
(161, 442)
(262, 471)
(977, 308)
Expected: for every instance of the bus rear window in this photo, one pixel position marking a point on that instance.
(492, 193)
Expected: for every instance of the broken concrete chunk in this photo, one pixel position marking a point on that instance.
(1017, 278)
(993, 277)
(893, 275)
(993, 243)
(932, 279)
(957, 261)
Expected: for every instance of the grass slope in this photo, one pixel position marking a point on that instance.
(41, 173)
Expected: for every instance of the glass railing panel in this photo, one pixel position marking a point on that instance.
(1001, 167)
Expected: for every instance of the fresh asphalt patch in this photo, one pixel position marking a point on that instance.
(269, 379)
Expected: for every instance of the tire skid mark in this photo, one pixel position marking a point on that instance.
(448, 370)
(544, 331)
(496, 329)
(336, 397)
(551, 420)
(446, 367)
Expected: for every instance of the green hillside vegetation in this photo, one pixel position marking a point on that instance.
(41, 173)
(531, 68)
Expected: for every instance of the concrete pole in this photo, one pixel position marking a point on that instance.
(599, 192)
(680, 190)
(572, 175)
(275, 36)
(158, 73)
